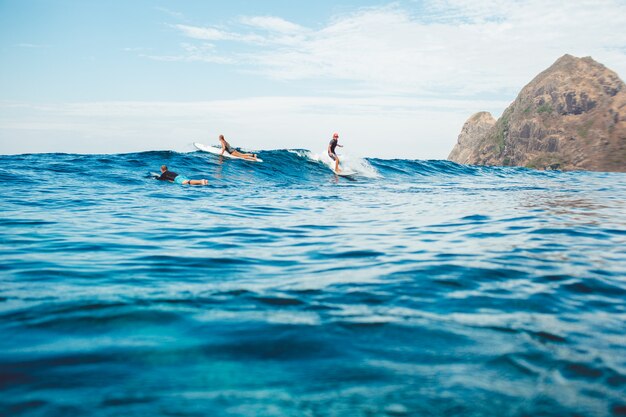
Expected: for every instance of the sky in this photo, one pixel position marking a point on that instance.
(394, 79)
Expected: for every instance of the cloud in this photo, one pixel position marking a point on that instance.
(207, 34)
(193, 53)
(272, 24)
(174, 14)
(388, 127)
(446, 47)
(136, 49)
(215, 34)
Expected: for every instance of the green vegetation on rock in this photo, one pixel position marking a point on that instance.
(583, 130)
(502, 127)
(546, 162)
(544, 108)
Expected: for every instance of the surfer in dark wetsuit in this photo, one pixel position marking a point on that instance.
(178, 179)
(331, 150)
(234, 152)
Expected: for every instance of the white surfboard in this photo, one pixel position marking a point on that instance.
(218, 150)
(345, 173)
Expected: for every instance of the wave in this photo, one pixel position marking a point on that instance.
(333, 292)
(279, 167)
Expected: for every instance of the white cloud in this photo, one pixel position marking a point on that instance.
(193, 53)
(215, 34)
(207, 34)
(136, 49)
(172, 13)
(448, 47)
(388, 127)
(272, 23)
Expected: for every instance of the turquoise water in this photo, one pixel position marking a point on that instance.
(416, 288)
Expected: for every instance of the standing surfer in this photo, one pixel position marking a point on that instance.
(178, 179)
(334, 142)
(234, 152)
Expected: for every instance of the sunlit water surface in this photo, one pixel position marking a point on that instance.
(416, 288)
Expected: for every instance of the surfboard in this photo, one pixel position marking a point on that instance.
(345, 173)
(218, 150)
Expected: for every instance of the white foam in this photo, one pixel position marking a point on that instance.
(302, 153)
(347, 162)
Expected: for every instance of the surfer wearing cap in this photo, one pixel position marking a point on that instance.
(234, 152)
(178, 179)
(331, 150)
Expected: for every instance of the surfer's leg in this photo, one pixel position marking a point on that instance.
(249, 156)
(198, 182)
(335, 158)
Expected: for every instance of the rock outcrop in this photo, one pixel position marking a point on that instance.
(570, 116)
(474, 129)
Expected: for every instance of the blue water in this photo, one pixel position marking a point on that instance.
(416, 288)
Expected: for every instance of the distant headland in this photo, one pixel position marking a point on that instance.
(572, 116)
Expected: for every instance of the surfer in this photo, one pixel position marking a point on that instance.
(178, 179)
(331, 150)
(234, 152)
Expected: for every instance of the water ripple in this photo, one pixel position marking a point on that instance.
(429, 288)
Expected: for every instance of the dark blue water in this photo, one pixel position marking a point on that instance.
(417, 288)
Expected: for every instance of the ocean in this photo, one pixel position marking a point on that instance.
(414, 288)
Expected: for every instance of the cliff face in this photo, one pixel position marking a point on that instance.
(571, 116)
(474, 129)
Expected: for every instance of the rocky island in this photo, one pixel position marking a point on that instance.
(571, 116)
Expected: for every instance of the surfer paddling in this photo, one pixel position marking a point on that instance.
(234, 152)
(334, 142)
(178, 179)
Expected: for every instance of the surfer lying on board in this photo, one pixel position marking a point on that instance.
(234, 152)
(178, 179)
(331, 150)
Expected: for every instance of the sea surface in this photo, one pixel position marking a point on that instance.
(415, 288)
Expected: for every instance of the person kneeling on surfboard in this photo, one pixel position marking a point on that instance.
(234, 152)
(331, 150)
(178, 179)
